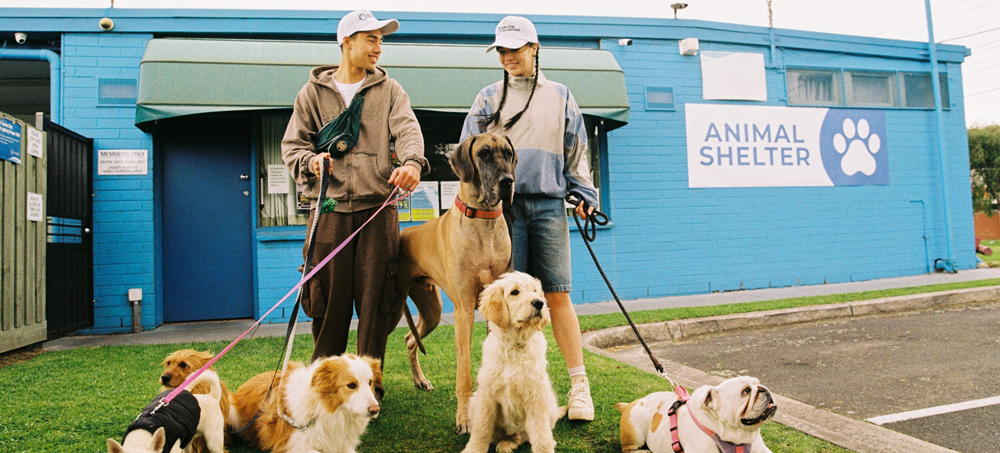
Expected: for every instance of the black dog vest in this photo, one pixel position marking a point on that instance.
(179, 419)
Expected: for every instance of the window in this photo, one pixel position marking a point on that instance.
(659, 98)
(870, 89)
(279, 201)
(917, 91)
(813, 87)
(117, 91)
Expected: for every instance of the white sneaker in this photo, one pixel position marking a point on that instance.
(581, 406)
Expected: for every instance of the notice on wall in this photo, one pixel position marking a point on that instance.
(403, 208)
(769, 146)
(277, 179)
(449, 190)
(35, 207)
(733, 76)
(425, 202)
(10, 141)
(122, 162)
(34, 142)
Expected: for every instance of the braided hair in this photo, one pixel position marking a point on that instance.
(494, 118)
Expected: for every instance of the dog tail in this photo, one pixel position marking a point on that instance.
(621, 407)
(212, 379)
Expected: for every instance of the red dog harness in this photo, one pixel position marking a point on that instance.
(476, 213)
(675, 440)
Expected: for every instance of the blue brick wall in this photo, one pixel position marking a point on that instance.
(667, 239)
(124, 246)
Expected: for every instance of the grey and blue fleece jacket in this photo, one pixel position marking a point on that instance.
(550, 138)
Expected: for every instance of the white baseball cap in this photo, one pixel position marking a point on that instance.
(363, 20)
(514, 32)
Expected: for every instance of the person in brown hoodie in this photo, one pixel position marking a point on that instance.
(362, 275)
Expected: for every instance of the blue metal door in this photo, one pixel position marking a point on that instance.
(206, 250)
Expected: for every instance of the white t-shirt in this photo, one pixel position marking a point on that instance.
(348, 90)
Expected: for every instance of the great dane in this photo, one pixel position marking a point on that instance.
(460, 252)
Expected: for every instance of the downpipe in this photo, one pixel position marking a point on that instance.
(949, 263)
(55, 74)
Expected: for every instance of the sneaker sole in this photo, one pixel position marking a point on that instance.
(581, 414)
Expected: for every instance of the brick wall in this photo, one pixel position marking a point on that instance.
(124, 246)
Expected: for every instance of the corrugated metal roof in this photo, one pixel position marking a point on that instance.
(189, 76)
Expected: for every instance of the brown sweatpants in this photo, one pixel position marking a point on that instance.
(361, 277)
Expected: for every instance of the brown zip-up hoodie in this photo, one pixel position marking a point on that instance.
(361, 177)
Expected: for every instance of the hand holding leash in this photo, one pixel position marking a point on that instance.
(592, 218)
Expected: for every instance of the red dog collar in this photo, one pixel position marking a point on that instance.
(476, 213)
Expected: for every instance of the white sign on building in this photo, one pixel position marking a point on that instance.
(122, 162)
(766, 146)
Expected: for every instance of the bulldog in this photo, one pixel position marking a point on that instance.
(726, 418)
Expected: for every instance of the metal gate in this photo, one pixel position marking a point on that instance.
(70, 260)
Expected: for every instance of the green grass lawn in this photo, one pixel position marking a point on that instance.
(71, 401)
(994, 259)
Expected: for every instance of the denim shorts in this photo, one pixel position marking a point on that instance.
(541, 241)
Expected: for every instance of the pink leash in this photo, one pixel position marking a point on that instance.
(166, 400)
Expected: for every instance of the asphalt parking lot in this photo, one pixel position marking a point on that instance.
(941, 362)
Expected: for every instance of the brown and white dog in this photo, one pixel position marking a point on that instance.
(460, 252)
(181, 364)
(323, 407)
(514, 401)
(724, 418)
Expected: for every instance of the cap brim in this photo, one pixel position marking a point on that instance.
(387, 26)
(510, 43)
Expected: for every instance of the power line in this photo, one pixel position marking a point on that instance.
(982, 92)
(980, 69)
(921, 19)
(950, 18)
(970, 34)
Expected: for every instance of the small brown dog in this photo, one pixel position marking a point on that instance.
(183, 363)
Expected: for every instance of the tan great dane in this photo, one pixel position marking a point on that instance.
(460, 252)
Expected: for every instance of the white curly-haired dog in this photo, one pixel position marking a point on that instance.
(514, 401)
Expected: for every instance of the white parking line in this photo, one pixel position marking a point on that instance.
(931, 411)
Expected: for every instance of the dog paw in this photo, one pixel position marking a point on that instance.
(506, 446)
(462, 427)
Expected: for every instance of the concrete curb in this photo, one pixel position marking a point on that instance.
(856, 435)
(683, 328)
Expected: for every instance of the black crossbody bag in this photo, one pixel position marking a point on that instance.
(340, 135)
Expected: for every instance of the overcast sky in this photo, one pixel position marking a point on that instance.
(972, 23)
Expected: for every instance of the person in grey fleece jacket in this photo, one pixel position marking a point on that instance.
(362, 275)
(544, 123)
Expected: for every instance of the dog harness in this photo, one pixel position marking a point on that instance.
(675, 440)
(179, 419)
(473, 213)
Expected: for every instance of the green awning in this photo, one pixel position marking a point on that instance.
(189, 76)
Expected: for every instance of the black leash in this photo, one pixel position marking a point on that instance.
(289, 332)
(589, 232)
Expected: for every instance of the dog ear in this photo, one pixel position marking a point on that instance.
(711, 400)
(462, 161)
(493, 307)
(115, 447)
(159, 439)
(376, 366)
(513, 160)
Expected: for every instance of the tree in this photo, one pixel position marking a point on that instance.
(984, 161)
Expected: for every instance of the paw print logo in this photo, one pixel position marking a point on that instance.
(858, 145)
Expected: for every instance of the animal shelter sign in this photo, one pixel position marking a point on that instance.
(765, 146)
